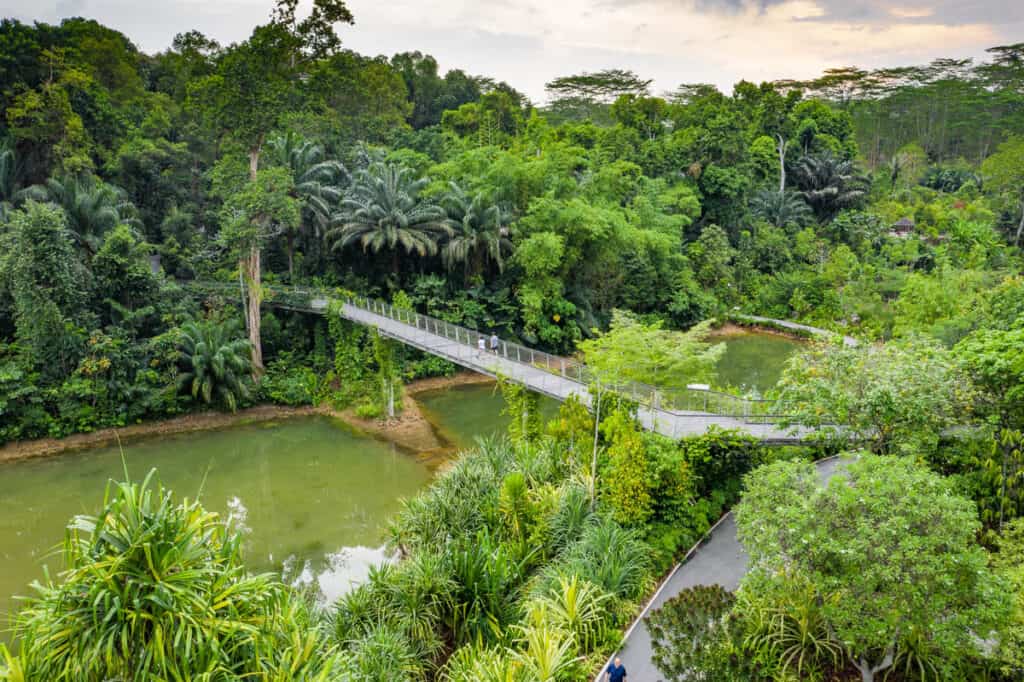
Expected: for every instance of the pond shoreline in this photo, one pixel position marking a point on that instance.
(730, 328)
(410, 430)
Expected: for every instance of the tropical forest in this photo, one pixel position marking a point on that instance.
(317, 365)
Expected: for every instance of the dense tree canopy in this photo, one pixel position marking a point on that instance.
(150, 202)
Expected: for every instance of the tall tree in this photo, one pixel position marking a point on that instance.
(1004, 174)
(829, 184)
(895, 397)
(263, 208)
(319, 185)
(45, 287)
(253, 86)
(92, 207)
(590, 94)
(888, 552)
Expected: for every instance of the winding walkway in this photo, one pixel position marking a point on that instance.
(797, 327)
(676, 414)
(673, 424)
(718, 559)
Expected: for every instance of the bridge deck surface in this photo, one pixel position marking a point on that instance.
(668, 423)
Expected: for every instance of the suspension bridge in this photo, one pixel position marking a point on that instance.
(672, 413)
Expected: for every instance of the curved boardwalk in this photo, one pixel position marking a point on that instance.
(797, 327)
(428, 335)
(719, 559)
(557, 377)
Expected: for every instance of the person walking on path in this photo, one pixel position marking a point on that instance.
(481, 347)
(494, 343)
(616, 671)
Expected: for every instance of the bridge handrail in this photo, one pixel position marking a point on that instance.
(683, 403)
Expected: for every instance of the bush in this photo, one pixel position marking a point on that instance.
(148, 574)
(289, 382)
(689, 635)
(367, 409)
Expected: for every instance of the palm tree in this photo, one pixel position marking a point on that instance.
(479, 231)
(218, 363)
(383, 210)
(829, 184)
(92, 207)
(780, 208)
(319, 183)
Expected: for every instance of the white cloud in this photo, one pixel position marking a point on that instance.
(528, 42)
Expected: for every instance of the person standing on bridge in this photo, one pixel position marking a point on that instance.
(494, 343)
(616, 671)
(481, 347)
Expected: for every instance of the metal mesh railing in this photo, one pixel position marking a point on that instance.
(691, 401)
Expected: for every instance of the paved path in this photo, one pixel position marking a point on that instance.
(796, 326)
(719, 559)
(674, 424)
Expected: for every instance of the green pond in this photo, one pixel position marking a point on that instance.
(462, 413)
(312, 496)
(753, 361)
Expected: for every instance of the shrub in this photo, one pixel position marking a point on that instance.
(689, 634)
(145, 576)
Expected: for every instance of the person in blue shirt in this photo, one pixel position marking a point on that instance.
(616, 671)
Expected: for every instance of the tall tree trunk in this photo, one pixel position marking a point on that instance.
(290, 246)
(1020, 227)
(253, 311)
(782, 163)
(254, 276)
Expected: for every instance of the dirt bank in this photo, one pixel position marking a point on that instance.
(729, 329)
(438, 383)
(410, 430)
(198, 421)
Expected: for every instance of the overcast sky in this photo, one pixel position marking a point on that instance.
(529, 42)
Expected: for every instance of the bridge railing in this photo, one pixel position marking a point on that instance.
(692, 401)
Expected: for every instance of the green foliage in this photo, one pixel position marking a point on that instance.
(149, 573)
(1009, 562)
(884, 595)
(217, 363)
(625, 478)
(43, 288)
(648, 353)
(384, 211)
(260, 207)
(897, 397)
(289, 381)
(689, 634)
(523, 408)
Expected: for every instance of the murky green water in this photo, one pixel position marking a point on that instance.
(462, 413)
(753, 362)
(314, 495)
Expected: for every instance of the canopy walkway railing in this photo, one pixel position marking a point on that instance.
(694, 401)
